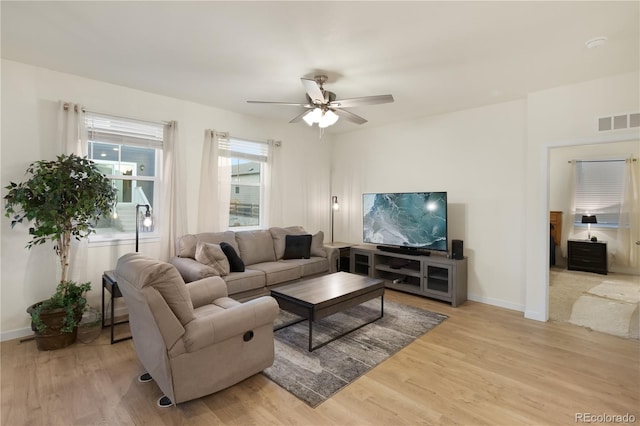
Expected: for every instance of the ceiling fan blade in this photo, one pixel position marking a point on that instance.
(349, 116)
(313, 90)
(365, 100)
(281, 103)
(299, 117)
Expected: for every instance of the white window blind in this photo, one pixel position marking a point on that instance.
(120, 130)
(243, 148)
(599, 186)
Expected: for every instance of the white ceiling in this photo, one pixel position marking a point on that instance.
(434, 57)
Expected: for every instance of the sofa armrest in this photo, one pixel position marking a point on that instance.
(333, 254)
(206, 290)
(192, 270)
(221, 325)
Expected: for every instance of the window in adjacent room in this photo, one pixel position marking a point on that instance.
(129, 153)
(598, 191)
(245, 162)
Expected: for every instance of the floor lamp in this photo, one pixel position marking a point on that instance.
(589, 220)
(334, 206)
(147, 222)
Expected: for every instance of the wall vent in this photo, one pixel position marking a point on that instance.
(619, 122)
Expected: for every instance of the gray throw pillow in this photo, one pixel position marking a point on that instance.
(317, 245)
(213, 256)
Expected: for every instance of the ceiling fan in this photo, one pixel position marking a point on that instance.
(323, 108)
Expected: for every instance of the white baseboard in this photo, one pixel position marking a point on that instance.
(16, 334)
(535, 315)
(24, 332)
(496, 302)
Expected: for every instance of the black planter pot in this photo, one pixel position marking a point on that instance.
(52, 337)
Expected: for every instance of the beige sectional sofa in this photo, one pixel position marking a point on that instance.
(262, 253)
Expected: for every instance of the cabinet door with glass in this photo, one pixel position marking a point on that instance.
(361, 262)
(437, 279)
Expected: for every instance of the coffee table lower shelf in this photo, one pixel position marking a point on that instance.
(305, 318)
(320, 297)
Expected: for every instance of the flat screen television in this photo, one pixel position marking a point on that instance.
(413, 220)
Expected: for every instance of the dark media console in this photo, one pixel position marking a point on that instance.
(410, 251)
(438, 277)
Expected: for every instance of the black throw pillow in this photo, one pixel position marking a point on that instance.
(237, 265)
(297, 246)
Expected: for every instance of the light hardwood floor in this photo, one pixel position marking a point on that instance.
(483, 365)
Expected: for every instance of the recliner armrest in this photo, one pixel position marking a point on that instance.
(221, 325)
(192, 270)
(206, 290)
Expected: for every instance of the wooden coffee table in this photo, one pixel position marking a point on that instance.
(320, 297)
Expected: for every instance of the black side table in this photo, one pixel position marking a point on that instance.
(109, 282)
(345, 255)
(586, 255)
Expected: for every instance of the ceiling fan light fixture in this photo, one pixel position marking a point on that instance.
(323, 108)
(313, 116)
(329, 118)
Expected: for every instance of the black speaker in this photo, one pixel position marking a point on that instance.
(457, 249)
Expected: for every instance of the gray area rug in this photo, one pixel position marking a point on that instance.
(315, 376)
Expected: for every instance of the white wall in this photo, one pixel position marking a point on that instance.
(30, 97)
(560, 195)
(493, 162)
(477, 156)
(564, 116)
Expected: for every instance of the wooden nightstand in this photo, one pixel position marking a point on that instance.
(589, 256)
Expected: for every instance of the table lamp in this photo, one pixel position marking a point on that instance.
(589, 220)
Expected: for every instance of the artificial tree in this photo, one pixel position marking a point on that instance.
(62, 199)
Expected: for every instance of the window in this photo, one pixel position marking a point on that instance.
(599, 186)
(129, 153)
(245, 162)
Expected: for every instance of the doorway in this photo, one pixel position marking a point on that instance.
(606, 303)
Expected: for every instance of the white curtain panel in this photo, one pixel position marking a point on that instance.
(568, 220)
(172, 202)
(72, 131)
(215, 185)
(273, 215)
(224, 192)
(72, 128)
(628, 223)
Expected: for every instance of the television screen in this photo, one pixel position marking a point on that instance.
(406, 219)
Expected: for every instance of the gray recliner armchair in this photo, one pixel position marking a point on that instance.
(192, 339)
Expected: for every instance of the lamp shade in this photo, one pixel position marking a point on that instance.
(589, 219)
(328, 118)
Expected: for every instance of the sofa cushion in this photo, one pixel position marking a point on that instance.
(186, 246)
(278, 272)
(213, 256)
(313, 266)
(236, 264)
(317, 245)
(250, 279)
(255, 246)
(297, 247)
(279, 235)
(228, 237)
